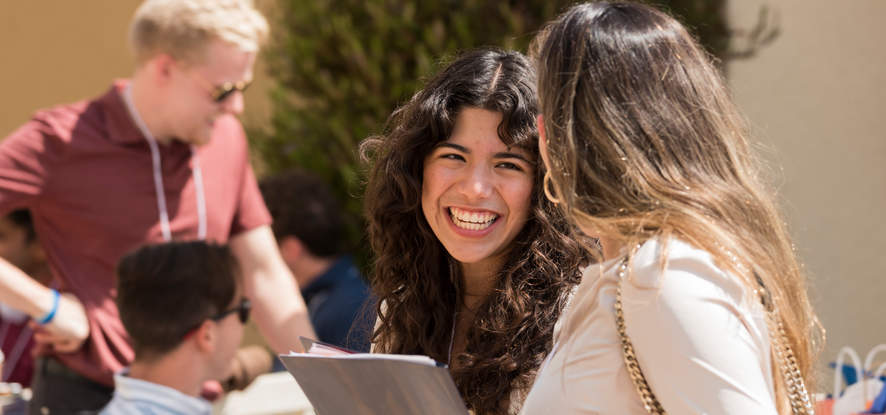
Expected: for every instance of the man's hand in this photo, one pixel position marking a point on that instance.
(248, 363)
(67, 329)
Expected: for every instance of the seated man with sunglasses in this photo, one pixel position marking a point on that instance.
(158, 157)
(182, 304)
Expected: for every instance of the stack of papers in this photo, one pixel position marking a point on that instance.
(339, 381)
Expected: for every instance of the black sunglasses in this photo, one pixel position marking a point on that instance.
(219, 93)
(223, 91)
(241, 309)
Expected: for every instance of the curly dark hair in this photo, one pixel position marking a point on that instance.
(417, 281)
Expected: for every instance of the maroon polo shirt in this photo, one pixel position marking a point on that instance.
(84, 170)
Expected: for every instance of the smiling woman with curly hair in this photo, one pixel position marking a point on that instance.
(472, 264)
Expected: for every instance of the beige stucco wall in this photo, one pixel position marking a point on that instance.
(816, 97)
(59, 51)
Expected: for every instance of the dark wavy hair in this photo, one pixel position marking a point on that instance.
(417, 281)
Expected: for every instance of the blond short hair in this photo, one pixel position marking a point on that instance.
(183, 28)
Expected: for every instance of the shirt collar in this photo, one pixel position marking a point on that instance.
(131, 389)
(121, 127)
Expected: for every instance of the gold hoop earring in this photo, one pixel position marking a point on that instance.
(545, 186)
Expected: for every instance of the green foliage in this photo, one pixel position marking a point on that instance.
(342, 66)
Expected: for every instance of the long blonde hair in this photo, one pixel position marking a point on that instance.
(645, 141)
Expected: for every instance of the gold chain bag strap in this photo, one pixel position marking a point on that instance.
(784, 356)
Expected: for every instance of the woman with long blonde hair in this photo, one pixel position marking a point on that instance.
(698, 303)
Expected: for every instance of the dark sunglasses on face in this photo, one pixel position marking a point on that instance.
(225, 90)
(241, 309)
(219, 93)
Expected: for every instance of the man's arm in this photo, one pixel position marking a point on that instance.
(280, 311)
(69, 326)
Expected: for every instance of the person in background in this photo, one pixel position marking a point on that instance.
(183, 306)
(19, 246)
(697, 304)
(472, 264)
(310, 230)
(158, 157)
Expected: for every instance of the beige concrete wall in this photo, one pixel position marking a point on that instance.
(59, 51)
(816, 97)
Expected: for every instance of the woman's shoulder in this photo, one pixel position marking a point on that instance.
(674, 267)
(711, 322)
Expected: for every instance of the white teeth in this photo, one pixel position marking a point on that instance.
(472, 220)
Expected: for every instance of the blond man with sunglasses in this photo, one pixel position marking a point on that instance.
(158, 157)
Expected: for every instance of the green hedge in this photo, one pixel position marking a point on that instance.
(342, 66)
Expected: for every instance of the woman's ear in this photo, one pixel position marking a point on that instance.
(540, 123)
(543, 141)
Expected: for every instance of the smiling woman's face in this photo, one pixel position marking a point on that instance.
(476, 191)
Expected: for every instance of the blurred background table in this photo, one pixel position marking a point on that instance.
(269, 394)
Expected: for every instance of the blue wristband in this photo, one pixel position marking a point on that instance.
(48, 317)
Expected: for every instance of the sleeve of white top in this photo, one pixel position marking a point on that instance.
(699, 346)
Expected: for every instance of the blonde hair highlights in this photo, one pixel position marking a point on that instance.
(183, 28)
(645, 142)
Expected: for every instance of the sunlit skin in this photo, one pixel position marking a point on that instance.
(203, 355)
(476, 195)
(190, 112)
(230, 334)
